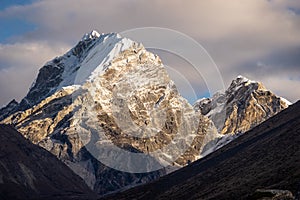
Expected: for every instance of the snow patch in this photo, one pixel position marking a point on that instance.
(93, 34)
(96, 61)
(217, 143)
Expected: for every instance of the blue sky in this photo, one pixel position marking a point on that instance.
(255, 38)
(7, 3)
(14, 26)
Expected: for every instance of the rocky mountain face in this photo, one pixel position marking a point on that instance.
(28, 171)
(106, 108)
(262, 163)
(244, 105)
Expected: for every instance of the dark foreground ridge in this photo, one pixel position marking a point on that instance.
(27, 171)
(266, 157)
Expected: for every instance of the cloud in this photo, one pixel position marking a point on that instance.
(284, 85)
(235, 33)
(19, 64)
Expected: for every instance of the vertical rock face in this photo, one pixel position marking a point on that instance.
(244, 105)
(108, 108)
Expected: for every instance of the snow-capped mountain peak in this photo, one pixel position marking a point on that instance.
(108, 92)
(96, 58)
(242, 81)
(242, 78)
(244, 104)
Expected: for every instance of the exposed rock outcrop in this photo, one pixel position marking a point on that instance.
(269, 194)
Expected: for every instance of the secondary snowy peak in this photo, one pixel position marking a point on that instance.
(242, 81)
(89, 57)
(244, 104)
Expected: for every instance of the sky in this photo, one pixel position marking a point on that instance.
(259, 39)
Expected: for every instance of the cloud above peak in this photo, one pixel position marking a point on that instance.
(237, 34)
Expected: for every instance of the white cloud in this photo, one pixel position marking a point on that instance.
(284, 85)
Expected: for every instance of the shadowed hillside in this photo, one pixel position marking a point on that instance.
(28, 171)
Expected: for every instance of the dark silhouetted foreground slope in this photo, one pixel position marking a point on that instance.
(266, 157)
(30, 172)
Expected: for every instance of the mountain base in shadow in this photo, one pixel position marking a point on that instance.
(28, 171)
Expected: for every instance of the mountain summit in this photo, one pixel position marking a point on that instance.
(88, 58)
(92, 35)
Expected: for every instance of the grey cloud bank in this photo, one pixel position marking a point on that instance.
(256, 38)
